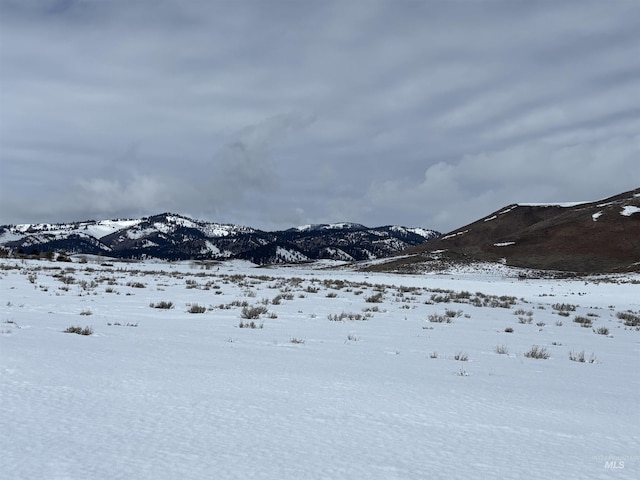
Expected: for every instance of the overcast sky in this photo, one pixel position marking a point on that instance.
(280, 113)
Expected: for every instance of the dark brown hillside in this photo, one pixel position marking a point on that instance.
(602, 236)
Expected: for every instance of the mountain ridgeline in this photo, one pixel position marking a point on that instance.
(174, 237)
(589, 237)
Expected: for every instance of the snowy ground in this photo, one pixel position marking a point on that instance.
(167, 394)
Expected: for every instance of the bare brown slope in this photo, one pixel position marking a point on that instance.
(589, 237)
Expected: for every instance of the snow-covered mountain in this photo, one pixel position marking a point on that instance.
(327, 226)
(172, 237)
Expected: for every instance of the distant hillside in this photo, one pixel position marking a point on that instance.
(600, 236)
(176, 237)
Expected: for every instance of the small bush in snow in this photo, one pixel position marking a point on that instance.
(85, 285)
(583, 321)
(195, 308)
(79, 330)
(504, 301)
(538, 352)
(375, 298)
(118, 324)
(476, 302)
(564, 307)
(253, 312)
(602, 331)
(502, 350)
(580, 357)
(435, 318)
(238, 303)
(348, 316)
(463, 295)
(436, 298)
(567, 307)
(164, 305)
(296, 340)
(66, 279)
(86, 312)
(629, 318)
(462, 357)
(250, 324)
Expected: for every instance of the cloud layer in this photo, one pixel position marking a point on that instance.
(272, 114)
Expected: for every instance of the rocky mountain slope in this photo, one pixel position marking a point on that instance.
(600, 236)
(175, 237)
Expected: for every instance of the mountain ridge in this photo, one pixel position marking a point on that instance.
(173, 236)
(600, 236)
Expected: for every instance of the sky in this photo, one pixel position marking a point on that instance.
(273, 114)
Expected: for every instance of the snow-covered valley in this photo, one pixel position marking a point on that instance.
(344, 375)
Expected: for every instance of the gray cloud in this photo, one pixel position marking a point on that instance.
(245, 163)
(276, 113)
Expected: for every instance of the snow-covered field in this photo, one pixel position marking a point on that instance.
(346, 375)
